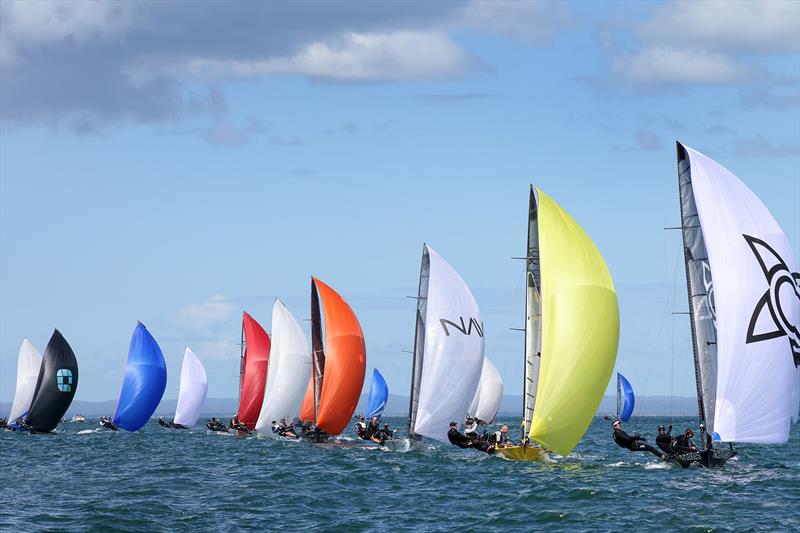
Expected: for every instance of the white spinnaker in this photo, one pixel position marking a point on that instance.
(755, 368)
(489, 394)
(194, 387)
(453, 355)
(289, 369)
(28, 365)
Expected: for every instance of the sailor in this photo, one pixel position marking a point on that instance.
(634, 443)
(361, 427)
(684, 444)
(163, 422)
(387, 433)
(471, 429)
(500, 438)
(664, 439)
(285, 430)
(456, 438)
(373, 431)
(276, 428)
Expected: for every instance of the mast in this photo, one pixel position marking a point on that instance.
(419, 340)
(318, 359)
(243, 345)
(532, 353)
(684, 175)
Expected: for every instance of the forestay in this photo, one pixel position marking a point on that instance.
(453, 340)
(28, 364)
(756, 306)
(194, 387)
(289, 369)
(488, 395)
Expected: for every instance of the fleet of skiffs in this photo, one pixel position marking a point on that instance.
(744, 308)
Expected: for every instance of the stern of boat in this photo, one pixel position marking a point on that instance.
(524, 453)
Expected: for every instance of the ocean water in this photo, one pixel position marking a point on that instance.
(157, 479)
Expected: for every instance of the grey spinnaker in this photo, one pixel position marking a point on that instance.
(55, 387)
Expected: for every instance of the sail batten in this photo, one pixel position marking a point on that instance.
(580, 330)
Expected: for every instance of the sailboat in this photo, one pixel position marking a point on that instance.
(378, 394)
(288, 371)
(144, 382)
(338, 363)
(252, 372)
(55, 386)
(28, 364)
(743, 286)
(192, 393)
(571, 332)
(448, 350)
(625, 398)
(489, 394)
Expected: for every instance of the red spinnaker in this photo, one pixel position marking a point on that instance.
(253, 372)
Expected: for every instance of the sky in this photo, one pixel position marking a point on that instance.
(177, 163)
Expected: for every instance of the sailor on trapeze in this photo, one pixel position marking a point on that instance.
(634, 443)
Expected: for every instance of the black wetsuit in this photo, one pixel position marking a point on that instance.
(456, 438)
(684, 444)
(373, 430)
(664, 441)
(634, 443)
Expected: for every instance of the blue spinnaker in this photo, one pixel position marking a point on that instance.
(378, 394)
(625, 393)
(145, 381)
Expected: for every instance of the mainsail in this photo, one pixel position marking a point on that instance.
(378, 394)
(253, 371)
(579, 327)
(488, 395)
(194, 387)
(625, 398)
(338, 370)
(144, 382)
(28, 364)
(55, 385)
(449, 335)
(743, 286)
(289, 365)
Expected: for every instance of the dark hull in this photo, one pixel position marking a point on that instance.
(714, 458)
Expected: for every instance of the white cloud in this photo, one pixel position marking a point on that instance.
(660, 66)
(533, 20)
(354, 57)
(201, 318)
(30, 24)
(765, 26)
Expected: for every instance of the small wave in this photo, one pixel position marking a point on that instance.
(88, 431)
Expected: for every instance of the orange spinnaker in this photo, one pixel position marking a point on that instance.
(345, 363)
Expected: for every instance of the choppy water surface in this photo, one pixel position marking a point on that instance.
(190, 480)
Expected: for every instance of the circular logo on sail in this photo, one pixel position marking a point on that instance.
(775, 314)
(64, 379)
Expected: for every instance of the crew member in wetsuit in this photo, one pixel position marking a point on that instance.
(373, 431)
(500, 438)
(361, 427)
(286, 430)
(664, 439)
(471, 429)
(456, 438)
(634, 443)
(684, 444)
(163, 422)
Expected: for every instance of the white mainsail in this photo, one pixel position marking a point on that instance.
(453, 350)
(194, 387)
(289, 368)
(755, 285)
(28, 365)
(489, 394)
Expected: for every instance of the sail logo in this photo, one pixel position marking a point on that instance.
(708, 285)
(773, 317)
(464, 327)
(64, 379)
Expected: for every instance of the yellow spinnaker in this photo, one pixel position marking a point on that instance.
(580, 330)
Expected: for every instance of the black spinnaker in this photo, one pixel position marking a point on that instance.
(55, 387)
